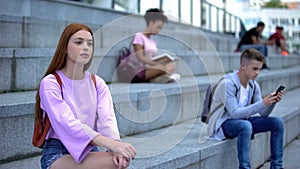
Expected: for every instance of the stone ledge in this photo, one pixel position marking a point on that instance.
(6, 52)
(158, 150)
(151, 108)
(25, 66)
(120, 91)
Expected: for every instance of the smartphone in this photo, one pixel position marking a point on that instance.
(280, 88)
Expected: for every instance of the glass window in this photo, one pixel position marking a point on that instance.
(284, 21)
(146, 4)
(126, 5)
(185, 11)
(170, 8)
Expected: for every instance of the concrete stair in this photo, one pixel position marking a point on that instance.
(24, 67)
(179, 146)
(25, 57)
(150, 116)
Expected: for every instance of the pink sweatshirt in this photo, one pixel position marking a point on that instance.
(73, 113)
(150, 50)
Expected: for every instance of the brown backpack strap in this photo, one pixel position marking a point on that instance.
(58, 80)
(94, 80)
(41, 128)
(47, 121)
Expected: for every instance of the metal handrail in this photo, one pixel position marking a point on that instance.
(212, 17)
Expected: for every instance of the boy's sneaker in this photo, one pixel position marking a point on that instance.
(284, 53)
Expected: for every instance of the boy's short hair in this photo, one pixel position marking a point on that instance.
(252, 54)
(155, 14)
(260, 24)
(279, 28)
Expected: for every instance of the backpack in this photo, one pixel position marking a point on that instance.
(210, 91)
(41, 130)
(125, 70)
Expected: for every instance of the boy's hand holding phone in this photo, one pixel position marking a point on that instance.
(279, 93)
(280, 89)
(274, 97)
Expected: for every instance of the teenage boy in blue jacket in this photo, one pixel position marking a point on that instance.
(242, 99)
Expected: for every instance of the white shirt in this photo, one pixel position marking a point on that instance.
(244, 96)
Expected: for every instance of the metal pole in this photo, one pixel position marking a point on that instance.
(224, 16)
(161, 5)
(192, 13)
(179, 10)
(209, 16)
(236, 27)
(113, 4)
(139, 6)
(230, 23)
(218, 25)
(201, 13)
(224, 20)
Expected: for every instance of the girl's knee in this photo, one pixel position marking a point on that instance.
(171, 67)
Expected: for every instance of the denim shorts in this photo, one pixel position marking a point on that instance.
(52, 150)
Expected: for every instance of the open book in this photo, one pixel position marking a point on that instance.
(163, 58)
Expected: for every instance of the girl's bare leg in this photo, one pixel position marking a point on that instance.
(93, 160)
(156, 71)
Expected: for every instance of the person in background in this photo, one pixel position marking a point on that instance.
(144, 48)
(244, 111)
(251, 39)
(81, 113)
(278, 39)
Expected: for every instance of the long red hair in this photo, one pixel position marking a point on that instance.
(60, 58)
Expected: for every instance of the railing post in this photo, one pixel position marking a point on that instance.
(201, 13)
(218, 25)
(191, 12)
(179, 10)
(139, 6)
(209, 16)
(224, 16)
(224, 20)
(160, 4)
(230, 23)
(113, 4)
(237, 33)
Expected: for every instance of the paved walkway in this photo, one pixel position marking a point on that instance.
(291, 156)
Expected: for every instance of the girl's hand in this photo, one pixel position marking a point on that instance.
(124, 149)
(120, 161)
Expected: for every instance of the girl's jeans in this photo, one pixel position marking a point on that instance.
(52, 150)
(244, 128)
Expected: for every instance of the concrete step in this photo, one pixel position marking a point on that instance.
(290, 156)
(179, 146)
(24, 67)
(36, 28)
(139, 107)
